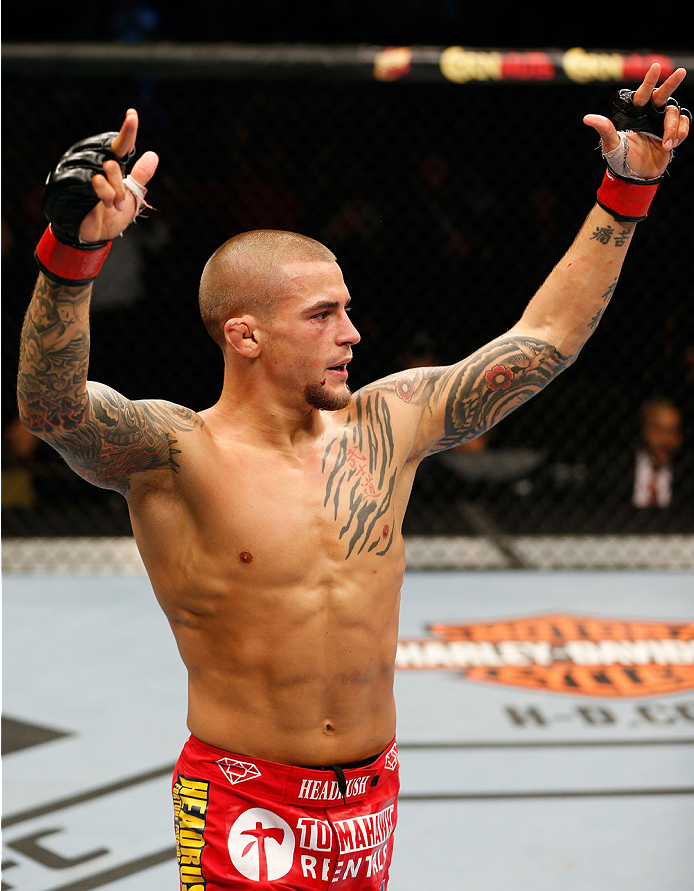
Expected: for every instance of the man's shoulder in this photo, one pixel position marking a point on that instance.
(160, 442)
(409, 387)
(164, 413)
(392, 409)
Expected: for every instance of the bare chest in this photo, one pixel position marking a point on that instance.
(339, 499)
(333, 505)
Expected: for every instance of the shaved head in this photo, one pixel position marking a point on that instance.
(245, 275)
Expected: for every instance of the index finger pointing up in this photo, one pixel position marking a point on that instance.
(124, 142)
(645, 91)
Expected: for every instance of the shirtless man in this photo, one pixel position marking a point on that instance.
(269, 524)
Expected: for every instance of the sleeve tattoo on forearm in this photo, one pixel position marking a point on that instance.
(103, 436)
(54, 355)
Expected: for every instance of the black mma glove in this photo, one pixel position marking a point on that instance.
(68, 197)
(645, 118)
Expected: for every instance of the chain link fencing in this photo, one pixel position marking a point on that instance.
(447, 200)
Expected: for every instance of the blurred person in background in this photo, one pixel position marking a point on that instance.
(655, 480)
(646, 485)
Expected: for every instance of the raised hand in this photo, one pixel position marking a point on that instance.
(117, 206)
(648, 155)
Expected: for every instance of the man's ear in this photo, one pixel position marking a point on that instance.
(243, 336)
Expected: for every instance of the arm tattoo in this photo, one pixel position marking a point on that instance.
(474, 395)
(54, 354)
(358, 465)
(467, 398)
(102, 436)
(606, 234)
(123, 438)
(606, 297)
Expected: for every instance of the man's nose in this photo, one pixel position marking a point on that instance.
(348, 333)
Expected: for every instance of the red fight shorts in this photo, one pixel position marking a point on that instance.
(246, 823)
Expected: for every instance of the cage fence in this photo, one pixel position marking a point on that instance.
(448, 183)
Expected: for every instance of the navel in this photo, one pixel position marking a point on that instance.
(386, 530)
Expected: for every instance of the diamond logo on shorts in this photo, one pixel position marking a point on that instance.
(392, 757)
(238, 771)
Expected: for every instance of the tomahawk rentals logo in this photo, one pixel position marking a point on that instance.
(249, 849)
(561, 653)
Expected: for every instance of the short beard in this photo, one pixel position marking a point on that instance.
(319, 397)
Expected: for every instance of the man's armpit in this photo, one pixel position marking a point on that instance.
(122, 438)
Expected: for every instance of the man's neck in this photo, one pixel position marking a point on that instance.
(268, 420)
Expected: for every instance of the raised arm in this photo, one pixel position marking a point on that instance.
(102, 436)
(459, 402)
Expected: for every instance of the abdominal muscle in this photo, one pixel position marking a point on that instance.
(293, 675)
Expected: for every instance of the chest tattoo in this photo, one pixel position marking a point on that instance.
(360, 476)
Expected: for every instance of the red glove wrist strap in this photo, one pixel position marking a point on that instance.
(626, 200)
(69, 265)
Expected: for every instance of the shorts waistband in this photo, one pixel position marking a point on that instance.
(321, 787)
